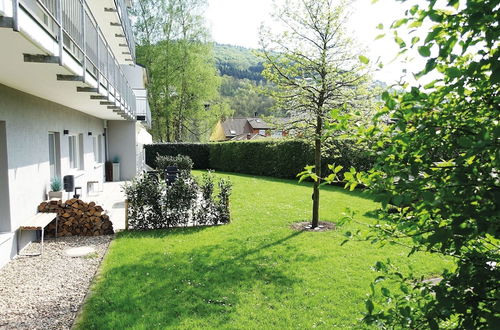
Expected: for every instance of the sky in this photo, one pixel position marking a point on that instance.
(237, 22)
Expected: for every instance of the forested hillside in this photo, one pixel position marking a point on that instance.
(238, 62)
(241, 70)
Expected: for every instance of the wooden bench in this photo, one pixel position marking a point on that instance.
(37, 222)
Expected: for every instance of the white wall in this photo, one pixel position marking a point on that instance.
(135, 75)
(126, 140)
(6, 8)
(122, 144)
(28, 120)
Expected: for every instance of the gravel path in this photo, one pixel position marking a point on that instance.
(46, 292)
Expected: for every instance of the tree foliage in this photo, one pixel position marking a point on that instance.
(437, 171)
(183, 89)
(242, 81)
(315, 67)
(246, 98)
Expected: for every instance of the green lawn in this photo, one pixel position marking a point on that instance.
(255, 273)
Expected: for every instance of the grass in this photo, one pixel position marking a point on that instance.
(255, 273)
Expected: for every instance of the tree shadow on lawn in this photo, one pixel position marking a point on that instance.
(202, 286)
(339, 188)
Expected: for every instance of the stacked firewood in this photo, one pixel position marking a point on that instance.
(77, 218)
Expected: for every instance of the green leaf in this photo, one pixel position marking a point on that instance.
(380, 26)
(425, 51)
(430, 85)
(386, 292)
(380, 36)
(453, 72)
(430, 65)
(364, 59)
(414, 9)
(435, 16)
(399, 22)
(415, 24)
(369, 306)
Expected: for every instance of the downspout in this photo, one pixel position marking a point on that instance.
(106, 146)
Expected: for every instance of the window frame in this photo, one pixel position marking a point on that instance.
(73, 153)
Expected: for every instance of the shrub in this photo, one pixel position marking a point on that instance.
(155, 205)
(198, 152)
(145, 196)
(182, 162)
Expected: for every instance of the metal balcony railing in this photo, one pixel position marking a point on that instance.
(143, 110)
(127, 27)
(73, 27)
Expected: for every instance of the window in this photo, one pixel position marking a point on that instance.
(81, 158)
(262, 132)
(73, 152)
(95, 149)
(100, 149)
(54, 155)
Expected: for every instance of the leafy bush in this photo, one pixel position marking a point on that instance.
(145, 196)
(155, 205)
(182, 162)
(198, 152)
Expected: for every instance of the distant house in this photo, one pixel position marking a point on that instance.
(236, 129)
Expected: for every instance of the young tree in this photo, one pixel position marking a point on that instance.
(438, 166)
(315, 67)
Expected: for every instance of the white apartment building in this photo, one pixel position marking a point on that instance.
(71, 98)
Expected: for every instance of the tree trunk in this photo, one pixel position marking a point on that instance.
(317, 171)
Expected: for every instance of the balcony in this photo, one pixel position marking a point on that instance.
(143, 112)
(113, 18)
(137, 76)
(65, 32)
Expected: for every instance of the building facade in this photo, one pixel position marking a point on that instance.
(71, 98)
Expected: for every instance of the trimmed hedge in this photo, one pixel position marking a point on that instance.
(198, 152)
(276, 158)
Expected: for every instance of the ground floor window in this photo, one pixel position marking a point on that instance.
(54, 154)
(81, 154)
(100, 149)
(95, 149)
(73, 151)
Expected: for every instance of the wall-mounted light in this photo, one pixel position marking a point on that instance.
(90, 133)
(66, 132)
